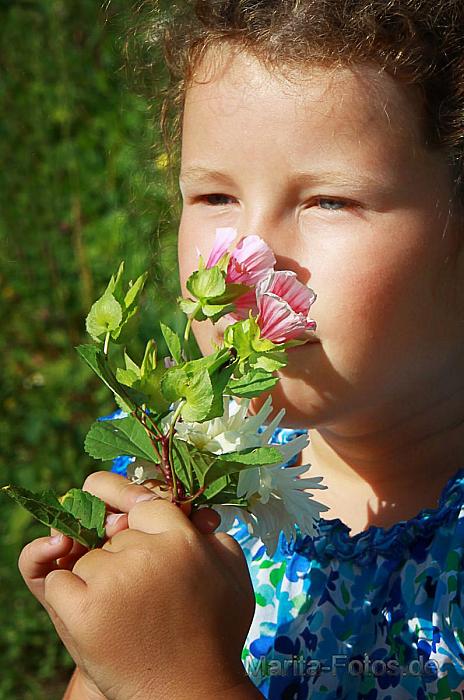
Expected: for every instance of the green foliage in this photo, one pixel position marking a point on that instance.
(80, 190)
(79, 515)
(124, 436)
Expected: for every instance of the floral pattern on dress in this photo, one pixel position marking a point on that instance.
(374, 616)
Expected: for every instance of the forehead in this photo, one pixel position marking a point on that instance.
(233, 96)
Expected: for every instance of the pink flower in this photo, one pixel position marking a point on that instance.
(250, 262)
(224, 238)
(283, 307)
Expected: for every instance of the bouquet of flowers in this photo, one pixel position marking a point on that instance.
(186, 422)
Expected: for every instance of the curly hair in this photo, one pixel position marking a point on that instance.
(418, 42)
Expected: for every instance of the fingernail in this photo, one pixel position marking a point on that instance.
(146, 497)
(56, 539)
(113, 518)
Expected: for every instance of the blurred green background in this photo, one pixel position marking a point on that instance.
(82, 187)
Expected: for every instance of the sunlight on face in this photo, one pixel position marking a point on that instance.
(329, 169)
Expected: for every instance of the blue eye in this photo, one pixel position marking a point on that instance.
(333, 204)
(215, 197)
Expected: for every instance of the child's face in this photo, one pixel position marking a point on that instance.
(332, 173)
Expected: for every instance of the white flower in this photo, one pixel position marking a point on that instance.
(235, 431)
(276, 495)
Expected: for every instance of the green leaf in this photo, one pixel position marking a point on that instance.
(96, 360)
(216, 487)
(216, 311)
(173, 384)
(123, 436)
(47, 509)
(234, 462)
(252, 384)
(188, 306)
(196, 390)
(255, 456)
(104, 316)
(87, 508)
(149, 358)
(199, 397)
(270, 361)
(222, 468)
(182, 463)
(115, 285)
(173, 343)
(205, 284)
(134, 290)
(201, 464)
(126, 376)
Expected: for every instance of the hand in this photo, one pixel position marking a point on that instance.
(160, 610)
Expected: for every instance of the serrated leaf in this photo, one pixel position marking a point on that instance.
(256, 456)
(123, 436)
(87, 508)
(270, 361)
(104, 316)
(252, 384)
(48, 510)
(206, 284)
(173, 343)
(222, 468)
(199, 397)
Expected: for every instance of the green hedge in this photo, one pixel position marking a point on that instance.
(80, 190)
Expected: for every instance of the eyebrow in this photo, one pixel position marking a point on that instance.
(199, 173)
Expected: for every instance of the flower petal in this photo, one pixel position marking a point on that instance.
(224, 238)
(251, 260)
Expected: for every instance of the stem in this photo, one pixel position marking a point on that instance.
(107, 340)
(191, 318)
(171, 435)
(191, 498)
(153, 438)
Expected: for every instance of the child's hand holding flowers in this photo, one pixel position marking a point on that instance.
(169, 403)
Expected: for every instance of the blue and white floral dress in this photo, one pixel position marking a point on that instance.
(375, 616)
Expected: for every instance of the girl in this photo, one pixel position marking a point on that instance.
(335, 130)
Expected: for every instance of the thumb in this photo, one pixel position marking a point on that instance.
(64, 592)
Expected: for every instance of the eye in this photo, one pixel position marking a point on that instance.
(214, 200)
(331, 204)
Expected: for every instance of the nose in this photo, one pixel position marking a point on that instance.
(278, 227)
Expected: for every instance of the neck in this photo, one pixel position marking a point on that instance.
(383, 475)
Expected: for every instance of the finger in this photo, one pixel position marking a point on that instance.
(38, 559)
(115, 522)
(206, 520)
(158, 516)
(64, 592)
(231, 554)
(125, 539)
(90, 566)
(119, 493)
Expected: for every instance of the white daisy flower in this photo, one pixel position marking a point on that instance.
(276, 495)
(234, 431)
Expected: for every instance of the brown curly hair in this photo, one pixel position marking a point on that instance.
(418, 42)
